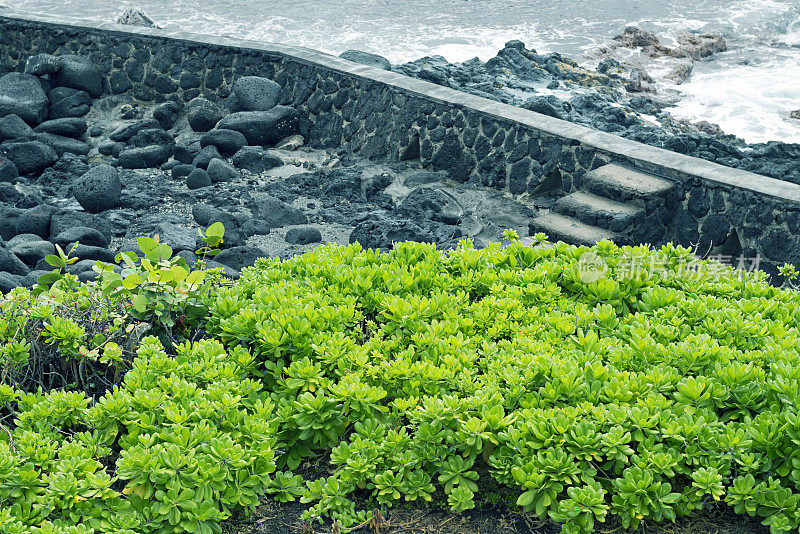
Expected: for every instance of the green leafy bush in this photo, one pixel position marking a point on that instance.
(631, 395)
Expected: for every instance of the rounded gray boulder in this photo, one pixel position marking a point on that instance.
(98, 189)
(264, 127)
(253, 93)
(79, 73)
(22, 95)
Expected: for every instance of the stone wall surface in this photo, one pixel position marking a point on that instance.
(381, 114)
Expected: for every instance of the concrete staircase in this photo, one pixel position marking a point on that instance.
(615, 202)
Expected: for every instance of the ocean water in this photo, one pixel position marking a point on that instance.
(748, 90)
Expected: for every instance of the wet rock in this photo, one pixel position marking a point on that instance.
(795, 114)
(144, 157)
(152, 137)
(264, 127)
(99, 189)
(30, 157)
(22, 95)
(253, 93)
(124, 133)
(185, 153)
(79, 73)
(68, 127)
(198, 178)
(240, 257)
(222, 171)
(12, 127)
(227, 141)
(255, 159)
(640, 82)
(680, 73)
(83, 235)
(135, 17)
(365, 58)
(303, 235)
(67, 102)
(632, 37)
(543, 105)
(697, 46)
(8, 171)
(203, 114)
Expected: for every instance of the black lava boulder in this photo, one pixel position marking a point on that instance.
(253, 93)
(30, 157)
(83, 235)
(198, 178)
(79, 73)
(227, 141)
(277, 213)
(221, 171)
(203, 114)
(303, 235)
(42, 64)
(264, 127)
(240, 257)
(98, 189)
(68, 127)
(12, 127)
(255, 159)
(22, 95)
(67, 102)
(167, 114)
(145, 157)
(204, 157)
(384, 230)
(8, 171)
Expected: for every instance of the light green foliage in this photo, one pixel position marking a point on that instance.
(638, 396)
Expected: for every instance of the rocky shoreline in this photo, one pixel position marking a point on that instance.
(103, 170)
(618, 96)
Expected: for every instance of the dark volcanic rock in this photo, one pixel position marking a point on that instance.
(240, 257)
(253, 93)
(221, 171)
(22, 95)
(255, 227)
(144, 157)
(68, 127)
(10, 263)
(205, 156)
(12, 127)
(77, 72)
(303, 235)
(124, 133)
(167, 114)
(63, 145)
(264, 127)
(277, 213)
(14, 221)
(62, 221)
(83, 235)
(99, 189)
(365, 58)
(30, 252)
(227, 141)
(382, 230)
(135, 17)
(182, 170)
(198, 178)
(186, 153)
(66, 102)
(30, 157)
(255, 159)
(8, 171)
(203, 114)
(42, 64)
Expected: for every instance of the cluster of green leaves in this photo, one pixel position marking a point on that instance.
(642, 395)
(418, 376)
(183, 443)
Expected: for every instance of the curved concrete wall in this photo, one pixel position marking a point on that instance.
(381, 114)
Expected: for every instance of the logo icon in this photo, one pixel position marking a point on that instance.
(591, 268)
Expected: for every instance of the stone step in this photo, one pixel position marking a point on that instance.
(599, 211)
(562, 228)
(622, 183)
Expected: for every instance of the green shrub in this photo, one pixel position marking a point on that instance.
(589, 385)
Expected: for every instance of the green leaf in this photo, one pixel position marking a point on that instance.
(216, 230)
(146, 244)
(195, 277)
(526, 499)
(139, 303)
(132, 281)
(49, 278)
(55, 261)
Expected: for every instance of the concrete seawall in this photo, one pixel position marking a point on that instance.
(385, 115)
